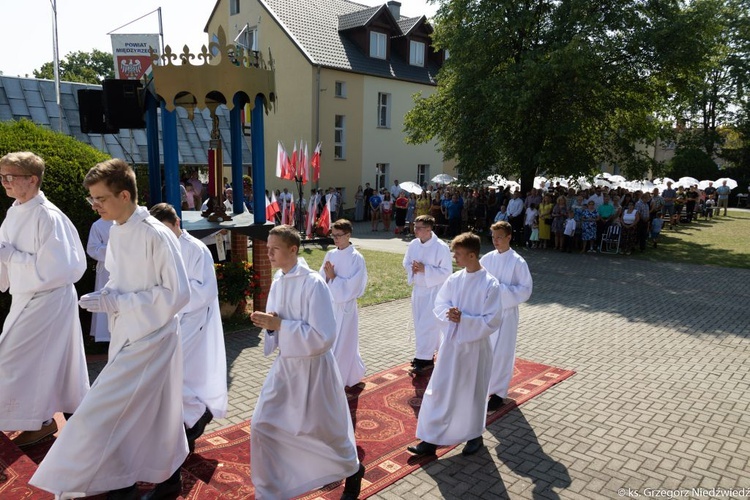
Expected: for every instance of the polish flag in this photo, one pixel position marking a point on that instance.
(315, 162)
(293, 170)
(304, 163)
(312, 212)
(324, 224)
(282, 159)
(272, 206)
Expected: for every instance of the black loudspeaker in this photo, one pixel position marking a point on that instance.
(91, 111)
(123, 103)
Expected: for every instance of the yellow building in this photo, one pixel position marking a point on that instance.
(345, 76)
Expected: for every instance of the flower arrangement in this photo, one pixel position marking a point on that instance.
(236, 281)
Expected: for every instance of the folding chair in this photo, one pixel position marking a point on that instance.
(611, 240)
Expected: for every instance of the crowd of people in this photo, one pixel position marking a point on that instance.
(559, 218)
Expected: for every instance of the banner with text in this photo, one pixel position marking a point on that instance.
(131, 55)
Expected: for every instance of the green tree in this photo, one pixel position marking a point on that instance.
(557, 87)
(83, 67)
(705, 96)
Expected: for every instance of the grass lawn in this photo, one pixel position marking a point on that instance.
(721, 241)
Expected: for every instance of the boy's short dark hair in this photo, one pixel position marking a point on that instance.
(288, 235)
(503, 226)
(343, 225)
(164, 212)
(468, 241)
(427, 220)
(116, 174)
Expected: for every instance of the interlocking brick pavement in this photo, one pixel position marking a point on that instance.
(660, 398)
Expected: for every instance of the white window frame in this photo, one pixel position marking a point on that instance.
(339, 137)
(423, 173)
(234, 7)
(384, 110)
(381, 176)
(416, 53)
(340, 89)
(378, 45)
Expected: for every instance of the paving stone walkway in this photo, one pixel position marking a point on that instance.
(659, 403)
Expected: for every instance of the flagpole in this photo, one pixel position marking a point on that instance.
(56, 63)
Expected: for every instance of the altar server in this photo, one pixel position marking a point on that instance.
(42, 361)
(97, 250)
(129, 426)
(346, 275)
(513, 274)
(302, 435)
(428, 265)
(453, 406)
(204, 388)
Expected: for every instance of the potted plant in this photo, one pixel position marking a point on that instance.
(237, 283)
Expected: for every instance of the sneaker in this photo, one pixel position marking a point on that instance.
(27, 438)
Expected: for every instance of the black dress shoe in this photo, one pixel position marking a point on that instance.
(473, 446)
(196, 431)
(423, 448)
(129, 493)
(495, 402)
(167, 490)
(353, 484)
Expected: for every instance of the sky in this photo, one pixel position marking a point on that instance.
(82, 25)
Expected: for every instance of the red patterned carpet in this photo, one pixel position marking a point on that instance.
(384, 406)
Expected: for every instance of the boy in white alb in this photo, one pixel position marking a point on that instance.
(129, 427)
(428, 264)
(302, 435)
(42, 362)
(97, 250)
(204, 389)
(453, 406)
(346, 275)
(513, 274)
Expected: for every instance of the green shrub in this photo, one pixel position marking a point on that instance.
(67, 161)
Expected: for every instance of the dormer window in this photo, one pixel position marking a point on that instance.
(416, 53)
(377, 44)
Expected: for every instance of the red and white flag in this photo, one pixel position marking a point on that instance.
(324, 223)
(304, 161)
(272, 207)
(294, 167)
(315, 162)
(312, 212)
(282, 159)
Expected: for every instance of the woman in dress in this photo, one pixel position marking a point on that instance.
(423, 203)
(545, 220)
(588, 218)
(359, 204)
(629, 222)
(559, 214)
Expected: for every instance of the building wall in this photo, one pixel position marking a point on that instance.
(387, 145)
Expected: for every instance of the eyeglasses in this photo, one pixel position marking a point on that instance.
(419, 228)
(99, 200)
(336, 236)
(8, 178)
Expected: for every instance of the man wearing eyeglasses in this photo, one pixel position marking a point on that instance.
(42, 361)
(346, 275)
(129, 427)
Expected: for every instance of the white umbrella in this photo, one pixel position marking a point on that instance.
(563, 182)
(731, 183)
(616, 179)
(581, 183)
(411, 187)
(686, 182)
(601, 181)
(539, 181)
(658, 181)
(443, 179)
(704, 184)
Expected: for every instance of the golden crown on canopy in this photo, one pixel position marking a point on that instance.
(231, 70)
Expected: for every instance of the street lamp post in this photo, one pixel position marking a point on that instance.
(56, 61)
